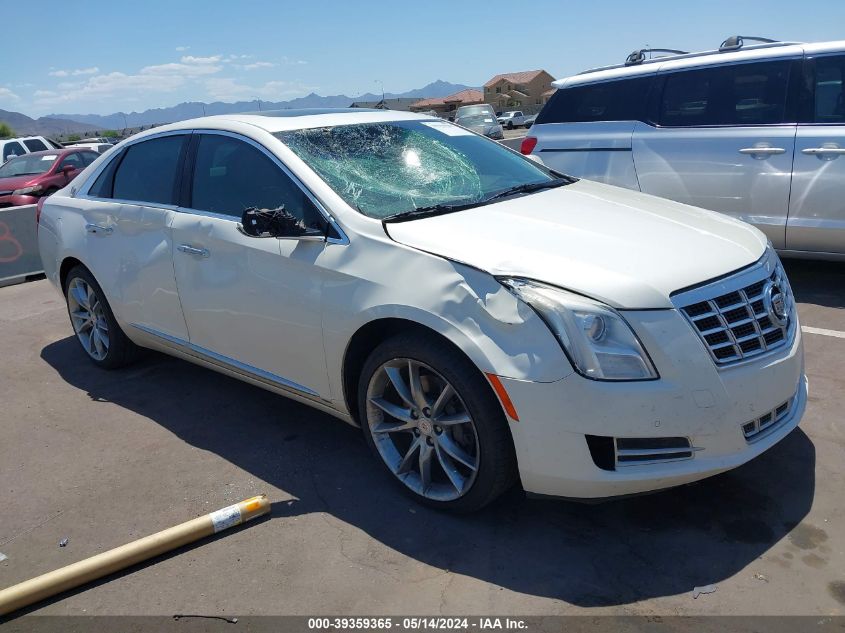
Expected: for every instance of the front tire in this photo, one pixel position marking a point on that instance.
(93, 321)
(431, 418)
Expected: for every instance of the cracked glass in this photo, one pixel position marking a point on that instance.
(386, 168)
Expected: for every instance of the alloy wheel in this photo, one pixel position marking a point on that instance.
(422, 429)
(88, 318)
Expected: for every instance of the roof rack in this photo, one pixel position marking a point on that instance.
(638, 56)
(735, 42)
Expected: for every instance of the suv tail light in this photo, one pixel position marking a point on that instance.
(528, 145)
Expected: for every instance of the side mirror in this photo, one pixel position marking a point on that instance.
(277, 223)
(67, 169)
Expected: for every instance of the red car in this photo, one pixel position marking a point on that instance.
(25, 179)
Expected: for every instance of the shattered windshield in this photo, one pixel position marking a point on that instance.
(387, 168)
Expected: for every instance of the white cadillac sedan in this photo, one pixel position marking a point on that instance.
(483, 319)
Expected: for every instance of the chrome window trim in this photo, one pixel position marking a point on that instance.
(230, 363)
(733, 282)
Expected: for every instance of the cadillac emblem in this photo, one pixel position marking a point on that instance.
(775, 303)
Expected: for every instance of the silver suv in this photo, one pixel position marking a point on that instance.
(753, 131)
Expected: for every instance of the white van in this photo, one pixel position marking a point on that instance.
(753, 131)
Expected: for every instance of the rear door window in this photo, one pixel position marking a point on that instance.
(231, 175)
(72, 160)
(732, 94)
(34, 145)
(148, 171)
(12, 149)
(828, 88)
(618, 100)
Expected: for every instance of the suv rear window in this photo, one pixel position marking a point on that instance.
(34, 145)
(618, 100)
(13, 148)
(737, 94)
(829, 82)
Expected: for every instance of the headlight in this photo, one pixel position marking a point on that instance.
(598, 341)
(27, 190)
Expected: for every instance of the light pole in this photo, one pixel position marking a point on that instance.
(381, 83)
(259, 103)
(125, 125)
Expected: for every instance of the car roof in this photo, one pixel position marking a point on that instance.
(58, 152)
(774, 50)
(293, 119)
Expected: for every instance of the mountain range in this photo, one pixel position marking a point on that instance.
(45, 126)
(193, 109)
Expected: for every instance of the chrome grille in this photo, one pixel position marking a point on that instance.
(759, 428)
(739, 318)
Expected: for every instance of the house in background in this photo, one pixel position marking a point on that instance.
(447, 105)
(528, 90)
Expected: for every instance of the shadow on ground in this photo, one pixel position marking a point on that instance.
(590, 555)
(817, 282)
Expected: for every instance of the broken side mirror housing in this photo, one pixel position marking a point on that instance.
(277, 223)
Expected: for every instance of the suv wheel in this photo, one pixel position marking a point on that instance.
(93, 322)
(434, 423)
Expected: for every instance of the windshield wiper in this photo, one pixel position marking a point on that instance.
(529, 188)
(430, 210)
(441, 209)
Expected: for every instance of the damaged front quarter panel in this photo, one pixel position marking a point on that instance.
(467, 306)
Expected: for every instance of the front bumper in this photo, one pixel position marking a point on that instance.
(692, 399)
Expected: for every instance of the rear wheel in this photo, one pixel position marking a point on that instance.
(93, 322)
(432, 420)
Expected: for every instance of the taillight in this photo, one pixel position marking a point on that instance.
(528, 145)
(38, 206)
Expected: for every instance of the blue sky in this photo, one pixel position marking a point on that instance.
(93, 56)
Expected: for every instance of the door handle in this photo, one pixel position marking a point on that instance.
(762, 152)
(192, 250)
(99, 229)
(824, 152)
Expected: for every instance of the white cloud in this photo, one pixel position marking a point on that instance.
(287, 61)
(42, 94)
(79, 71)
(8, 95)
(257, 65)
(188, 66)
(120, 85)
(229, 89)
(190, 59)
(182, 48)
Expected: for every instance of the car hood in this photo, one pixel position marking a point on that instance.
(17, 182)
(625, 248)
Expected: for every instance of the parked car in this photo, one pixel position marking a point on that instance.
(512, 119)
(100, 148)
(529, 121)
(480, 119)
(483, 319)
(11, 147)
(25, 179)
(754, 131)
